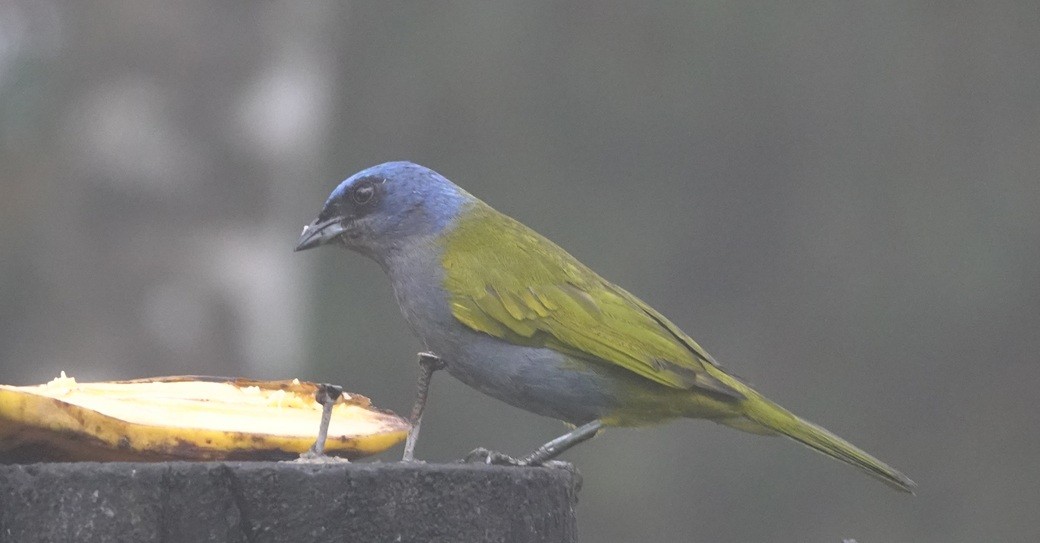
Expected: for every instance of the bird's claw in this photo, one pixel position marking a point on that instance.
(480, 455)
(559, 464)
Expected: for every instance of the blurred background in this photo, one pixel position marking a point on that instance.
(841, 201)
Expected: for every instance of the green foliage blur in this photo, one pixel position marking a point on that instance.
(840, 201)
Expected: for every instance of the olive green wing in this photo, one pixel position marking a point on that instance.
(506, 280)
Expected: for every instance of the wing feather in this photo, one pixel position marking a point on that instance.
(507, 281)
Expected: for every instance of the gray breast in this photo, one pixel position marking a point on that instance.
(417, 278)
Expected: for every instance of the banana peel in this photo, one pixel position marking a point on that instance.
(184, 418)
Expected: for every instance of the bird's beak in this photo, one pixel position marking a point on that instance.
(319, 233)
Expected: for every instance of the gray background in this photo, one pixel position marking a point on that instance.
(841, 201)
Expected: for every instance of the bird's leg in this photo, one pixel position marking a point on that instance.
(557, 446)
(542, 454)
(326, 395)
(428, 363)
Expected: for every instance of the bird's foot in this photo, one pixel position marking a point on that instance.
(480, 455)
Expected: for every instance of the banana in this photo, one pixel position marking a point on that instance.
(184, 418)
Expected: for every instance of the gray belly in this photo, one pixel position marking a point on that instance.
(549, 383)
(538, 380)
(535, 379)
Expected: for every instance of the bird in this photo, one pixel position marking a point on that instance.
(511, 314)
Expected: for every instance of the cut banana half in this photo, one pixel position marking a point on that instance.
(184, 418)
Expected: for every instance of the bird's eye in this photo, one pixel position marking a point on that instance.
(363, 193)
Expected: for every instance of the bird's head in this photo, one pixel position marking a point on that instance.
(383, 208)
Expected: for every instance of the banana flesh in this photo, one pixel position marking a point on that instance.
(184, 418)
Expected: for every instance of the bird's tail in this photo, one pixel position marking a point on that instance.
(763, 416)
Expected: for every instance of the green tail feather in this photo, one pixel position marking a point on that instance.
(762, 412)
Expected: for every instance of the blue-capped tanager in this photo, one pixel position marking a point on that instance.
(513, 315)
